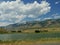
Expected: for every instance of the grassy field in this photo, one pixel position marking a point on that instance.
(50, 41)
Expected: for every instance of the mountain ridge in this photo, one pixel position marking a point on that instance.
(34, 24)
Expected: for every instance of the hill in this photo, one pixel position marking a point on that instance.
(49, 23)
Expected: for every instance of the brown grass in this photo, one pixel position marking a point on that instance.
(38, 42)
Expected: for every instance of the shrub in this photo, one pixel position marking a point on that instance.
(19, 31)
(37, 31)
(13, 31)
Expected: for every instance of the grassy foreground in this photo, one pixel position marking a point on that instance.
(36, 42)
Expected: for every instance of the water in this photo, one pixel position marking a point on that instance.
(28, 36)
(6, 37)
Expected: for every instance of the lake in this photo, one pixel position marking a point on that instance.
(28, 36)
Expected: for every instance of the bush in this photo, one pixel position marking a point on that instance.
(19, 31)
(13, 31)
(37, 31)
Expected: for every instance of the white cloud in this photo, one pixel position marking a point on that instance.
(16, 11)
(55, 16)
(47, 18)
(57, 2)
(4, 23)
(38, 19)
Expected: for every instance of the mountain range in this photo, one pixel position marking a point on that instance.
(49, 23)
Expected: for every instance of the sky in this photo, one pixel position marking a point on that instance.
(18, 11)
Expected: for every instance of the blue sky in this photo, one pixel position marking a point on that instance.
(14, 11)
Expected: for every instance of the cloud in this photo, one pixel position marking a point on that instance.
(56, 15)
(57, 2)
(4, 23)
(47, 18)
(17, 11)
(38, 19)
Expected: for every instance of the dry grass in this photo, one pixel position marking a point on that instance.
(38, 42)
